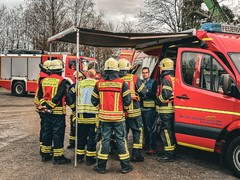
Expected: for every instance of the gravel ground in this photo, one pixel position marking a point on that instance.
(20, 159)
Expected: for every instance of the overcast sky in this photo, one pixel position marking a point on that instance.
(113, 9)
(116, 10)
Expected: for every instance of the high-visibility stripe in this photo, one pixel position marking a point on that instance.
(167, 138)
(196, 146)
(167, 88)
(80, 151)
(126, 93)
(208, 110)
(91, 153)
(148, 103)
(95, 95)
(72, 137)
(140, 88)
(101, 99)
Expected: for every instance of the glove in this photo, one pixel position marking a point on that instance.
(157, 125)
(98, 135)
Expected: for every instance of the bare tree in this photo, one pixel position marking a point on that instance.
(161, 15)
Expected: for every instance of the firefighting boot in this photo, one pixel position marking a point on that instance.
(101, 166)
(126, 167)
(61, 160)
(46, 157)
(137, 155)
(80, 159)
(167, 157)
(90, 161)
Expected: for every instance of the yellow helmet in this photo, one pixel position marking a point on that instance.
(111, 64)
(56, 65)
(124, 64)
(46, 64)
(166, 64)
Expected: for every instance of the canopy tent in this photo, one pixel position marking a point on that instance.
(99, 38)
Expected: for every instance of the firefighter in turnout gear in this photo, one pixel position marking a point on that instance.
(52, 95)
(165, 109)
(133, 114)
(44, 72)
(87, 119)
(111, 95)
(71, 100)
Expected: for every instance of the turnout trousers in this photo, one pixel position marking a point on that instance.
(136, 126)
(54, 131)
(167, 133)
(86, 135)
(148, 122)
(107, 129)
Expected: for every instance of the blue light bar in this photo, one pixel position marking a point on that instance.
(223, 28)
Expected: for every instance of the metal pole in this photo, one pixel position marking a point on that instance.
(76, 87)
(50, 51)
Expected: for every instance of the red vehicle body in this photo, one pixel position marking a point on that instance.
(205, 117)
(19, 72)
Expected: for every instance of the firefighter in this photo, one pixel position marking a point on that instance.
(111, 94)
(44, 72)
(87, 120)
(165, 109)
(52, 95)
(71, 99)
(149, 112)
(133, 115)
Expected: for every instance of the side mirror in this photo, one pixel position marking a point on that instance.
(225, 82)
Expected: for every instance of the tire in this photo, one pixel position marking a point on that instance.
(233, 156)
(19, 89)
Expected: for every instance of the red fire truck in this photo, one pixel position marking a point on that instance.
(19, 72)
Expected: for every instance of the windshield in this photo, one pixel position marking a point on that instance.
(235, 57)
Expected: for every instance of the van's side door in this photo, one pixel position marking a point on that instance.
(201, 110)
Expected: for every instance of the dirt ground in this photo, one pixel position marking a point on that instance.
(20, 159)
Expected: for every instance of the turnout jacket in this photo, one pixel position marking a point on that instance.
(111, 95)
(165, 101)
(52, 94)
(137, 90)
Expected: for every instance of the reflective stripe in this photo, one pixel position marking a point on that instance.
(123, 156)
(167, 87)
(167, 138)
(72, 106)
(91, 153)
(148, 103)
(196, 147)
(140, 88)
(80, 151)
(72, 137)
(95, 95)
(46, 149)
(208, 110)
(126, 93)
(58, 152)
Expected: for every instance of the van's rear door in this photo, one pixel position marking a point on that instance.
(201, 111)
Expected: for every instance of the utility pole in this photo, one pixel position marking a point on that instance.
(76, 9)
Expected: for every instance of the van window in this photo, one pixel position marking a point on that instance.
(201, 70)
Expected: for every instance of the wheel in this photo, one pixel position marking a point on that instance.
(19, 89)
(233, 156)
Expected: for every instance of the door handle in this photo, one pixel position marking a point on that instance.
(184, 96)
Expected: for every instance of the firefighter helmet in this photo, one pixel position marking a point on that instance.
(46, 64)
(111, 64)
(56, 65)
(166, 64)
(124, 64)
